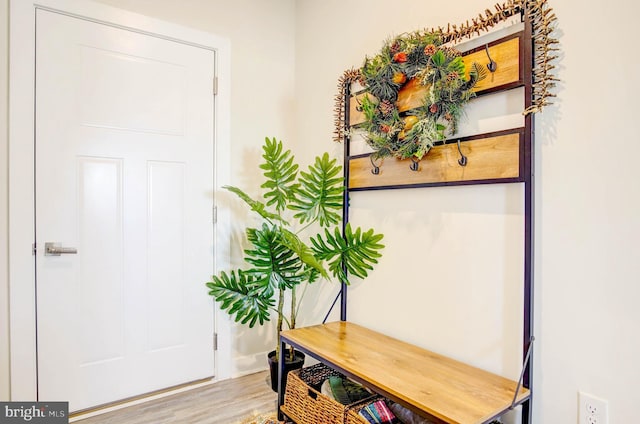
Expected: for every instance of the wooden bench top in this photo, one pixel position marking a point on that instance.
(422, 380)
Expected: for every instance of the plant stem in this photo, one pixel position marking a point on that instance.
(292, 320)
(279, 328)
(306, 226)
(294, 312)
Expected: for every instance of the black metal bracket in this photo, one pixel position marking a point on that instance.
(326, 317)
(524, 367)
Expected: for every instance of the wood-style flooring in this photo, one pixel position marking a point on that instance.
(224, 402)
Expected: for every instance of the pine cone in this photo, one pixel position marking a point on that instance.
(395, 47)
(386, 107)
(452, 76)
(430, 50)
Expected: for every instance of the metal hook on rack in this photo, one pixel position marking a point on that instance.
(376, 168)
(463, 159)
(414, 164)
(492, 65)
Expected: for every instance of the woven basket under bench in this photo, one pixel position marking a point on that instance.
(305, 404)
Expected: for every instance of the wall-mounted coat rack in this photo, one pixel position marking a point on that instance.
(497, 157)
(504, 156)
(522, 60)
(488, 158)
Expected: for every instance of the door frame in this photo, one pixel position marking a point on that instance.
(22, 282)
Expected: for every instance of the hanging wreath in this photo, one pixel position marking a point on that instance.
(387, 76)
(423, 58)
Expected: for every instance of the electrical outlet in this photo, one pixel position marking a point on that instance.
(592, 410)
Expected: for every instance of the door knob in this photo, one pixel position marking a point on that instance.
(54, 249)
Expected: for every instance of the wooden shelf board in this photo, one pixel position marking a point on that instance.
(505, 52)
(490, 157)
(419, 379)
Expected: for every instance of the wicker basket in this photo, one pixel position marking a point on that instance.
(305, 404)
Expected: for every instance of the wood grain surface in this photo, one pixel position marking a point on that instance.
(450, 390)
(496, 157)
(225, 402)
(505, 53)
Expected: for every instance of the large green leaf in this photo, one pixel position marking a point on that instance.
(255, 205)
(304, 252)
(280, 172)
(320, 195)
(236, 292)
(275, 265)
(356, 252)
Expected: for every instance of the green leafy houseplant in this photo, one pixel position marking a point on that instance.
(279, 260)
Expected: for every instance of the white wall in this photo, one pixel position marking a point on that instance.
(587, 204)
(4, 282)
(588, 208)
(587, 199)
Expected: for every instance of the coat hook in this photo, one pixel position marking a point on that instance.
(492, 65)
(463, 159)
(414, 164)
(376, 168)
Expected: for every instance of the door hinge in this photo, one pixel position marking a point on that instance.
(215, 341)
(33, 249)
(215, 214)
(215, 86)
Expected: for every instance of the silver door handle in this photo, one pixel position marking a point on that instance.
(54, 249)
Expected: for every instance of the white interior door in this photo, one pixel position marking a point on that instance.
(124, 174)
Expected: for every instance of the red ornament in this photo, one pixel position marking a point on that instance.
(400, 57)
(433, 108)
(385, 128)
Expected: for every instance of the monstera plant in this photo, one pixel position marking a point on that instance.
(281, 263)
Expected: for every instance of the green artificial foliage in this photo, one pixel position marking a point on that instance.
(278, 259)
(419, 56)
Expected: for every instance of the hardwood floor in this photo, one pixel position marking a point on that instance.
(225, 402)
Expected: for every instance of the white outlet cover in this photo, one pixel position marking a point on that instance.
(592, 410)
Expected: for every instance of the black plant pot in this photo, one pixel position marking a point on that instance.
(296, 364)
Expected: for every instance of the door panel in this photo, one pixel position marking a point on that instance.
(124, 173)
(154, 104)
(100, 279)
